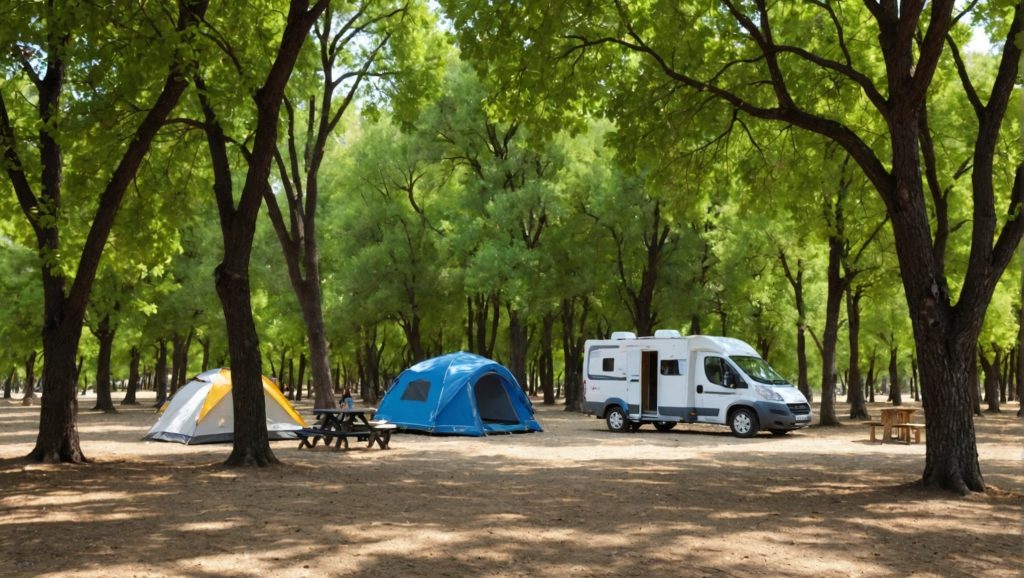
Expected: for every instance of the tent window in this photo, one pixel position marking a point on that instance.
(418, 390)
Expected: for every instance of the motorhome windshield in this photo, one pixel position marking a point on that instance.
(759, 370)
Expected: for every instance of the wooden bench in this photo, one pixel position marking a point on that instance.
(873, 425)
(339, 437)
(915, 428)
(380, 434)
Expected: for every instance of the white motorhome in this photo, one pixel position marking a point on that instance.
(669, 379)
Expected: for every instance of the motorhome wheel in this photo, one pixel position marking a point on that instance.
(617, 421)
(664, 425)
(743, 423)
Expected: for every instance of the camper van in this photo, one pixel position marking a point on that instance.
(667, 379)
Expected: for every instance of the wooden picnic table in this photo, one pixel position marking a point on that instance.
(898, 418)
(340, 424)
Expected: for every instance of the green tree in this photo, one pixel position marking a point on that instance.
(82, 66)
(762, 61)
(238, 220)
(379, 49)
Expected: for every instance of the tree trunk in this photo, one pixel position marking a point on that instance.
(831, 334)
(547, 362)
(251, 445)
(302, 377)
(133, 378)
(58, 439)
(179, 360)
(869, 383)
(311, 305)
(991, 383)
(105, 334)
(895, 393)
(78, 375)
(9, 382)
(160, 378)
(855, 395)
(206, 355)
(482, 315)
(572, 350)
(28, 397)
(518, 345)
(796, 281)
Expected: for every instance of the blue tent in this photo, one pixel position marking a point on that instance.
(458, 393)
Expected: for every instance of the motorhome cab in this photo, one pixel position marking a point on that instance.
(668, 379)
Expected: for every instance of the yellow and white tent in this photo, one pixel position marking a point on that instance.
(201, 412)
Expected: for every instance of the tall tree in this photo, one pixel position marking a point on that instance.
(61, 49)
(238, 221)
(355, 44)
(755, 58)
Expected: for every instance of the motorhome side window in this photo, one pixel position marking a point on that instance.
(608, 364)
(670, 367)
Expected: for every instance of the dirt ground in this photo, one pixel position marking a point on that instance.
(576, 500)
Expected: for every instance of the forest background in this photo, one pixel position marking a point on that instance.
(430, 182)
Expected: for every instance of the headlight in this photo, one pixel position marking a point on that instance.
(768, 393)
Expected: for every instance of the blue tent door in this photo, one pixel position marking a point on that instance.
(493, 402)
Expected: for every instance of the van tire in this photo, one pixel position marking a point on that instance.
(743, 423)
(664, 425)
(617, 421)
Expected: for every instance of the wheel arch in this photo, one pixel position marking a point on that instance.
(615, 402)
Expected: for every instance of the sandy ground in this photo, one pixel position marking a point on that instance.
(575, 500)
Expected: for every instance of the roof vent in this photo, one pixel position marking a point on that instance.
(672, 333)
(623, 335)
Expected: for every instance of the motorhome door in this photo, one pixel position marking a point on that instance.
(713, 396)
(634, 380)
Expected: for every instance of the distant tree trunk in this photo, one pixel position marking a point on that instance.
(29, 397)
(572, 349)
(78, 375)
(1006, 377)
(695, 328)
(9, 382)
(869, 383)
(483, 312)
(369, 360)
(302, 377)
(855, 395)
(179, 360)
(160, 378)
(518, 345)
(547, 361)
(895, 395)
(105, 335)
(830, 336)
(291, 379)
(133, 378)
(974, 387)
(991, 383)
(206, 354)
(796, 281)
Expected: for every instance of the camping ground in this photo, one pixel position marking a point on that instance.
(576, 500)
